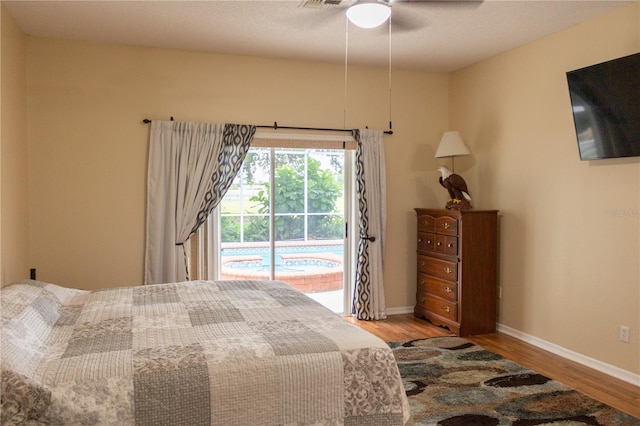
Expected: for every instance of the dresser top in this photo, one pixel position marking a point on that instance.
(421, 210)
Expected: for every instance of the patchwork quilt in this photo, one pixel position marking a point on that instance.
(192, 353)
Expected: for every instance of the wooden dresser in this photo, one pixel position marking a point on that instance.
(457, 269)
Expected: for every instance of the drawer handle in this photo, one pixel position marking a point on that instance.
(448, 270)
(439, 243)
(445, 225)
(447, 309)
(449, 245)
(419, 240)
(421, 281)
(422, 300)
(426, 223)
(447, 289)
(421, 263)
(428, 241)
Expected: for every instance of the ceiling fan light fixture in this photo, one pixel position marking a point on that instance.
(368, 15)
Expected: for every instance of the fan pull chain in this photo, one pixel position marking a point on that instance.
(346, 59)
(390, 122)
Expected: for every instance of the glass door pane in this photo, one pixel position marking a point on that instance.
(245, 221)
(302, 242)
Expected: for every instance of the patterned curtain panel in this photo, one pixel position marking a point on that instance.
(368, 294)
(191, 166)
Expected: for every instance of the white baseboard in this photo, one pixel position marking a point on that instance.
(600, 366)
(401, 310)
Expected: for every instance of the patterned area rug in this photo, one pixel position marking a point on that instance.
(452, 382)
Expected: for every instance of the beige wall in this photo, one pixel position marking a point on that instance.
(14, 210)
(569, 230)
(88, 148)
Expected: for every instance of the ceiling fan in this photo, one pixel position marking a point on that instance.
(373, 13)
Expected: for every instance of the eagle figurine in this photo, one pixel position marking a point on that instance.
(459, 198)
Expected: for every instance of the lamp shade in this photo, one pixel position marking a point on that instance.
(452, 145)
(368, 15)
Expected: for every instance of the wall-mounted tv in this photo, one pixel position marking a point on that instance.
(606, 108)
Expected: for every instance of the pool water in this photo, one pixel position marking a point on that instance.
(258, 259)
(282, 265)
(264, 251)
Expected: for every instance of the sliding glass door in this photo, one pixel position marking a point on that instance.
(285, 218)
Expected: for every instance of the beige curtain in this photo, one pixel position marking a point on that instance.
(368, 295)
(191, 166)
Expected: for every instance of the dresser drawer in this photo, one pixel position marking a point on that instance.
(444, 289)
(447, 225)
(426, 241)
(421, 299)
(438, 268)
(446, 245)
(440, 307)
(426, 223)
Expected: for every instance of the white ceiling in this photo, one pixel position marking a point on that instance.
(440, 36)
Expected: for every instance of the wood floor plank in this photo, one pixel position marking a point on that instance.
(614, 392)
(398, 328)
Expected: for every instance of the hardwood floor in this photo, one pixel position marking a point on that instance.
(614, 392)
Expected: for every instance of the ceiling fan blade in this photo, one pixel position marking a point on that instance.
(406, 23)
(403, 20)
(454, 2)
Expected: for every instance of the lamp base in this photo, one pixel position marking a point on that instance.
(456, 204)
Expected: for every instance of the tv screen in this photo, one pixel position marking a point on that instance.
(606, 108)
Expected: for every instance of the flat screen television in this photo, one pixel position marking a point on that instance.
(606, 108)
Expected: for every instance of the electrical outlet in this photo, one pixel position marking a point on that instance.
(624, 333)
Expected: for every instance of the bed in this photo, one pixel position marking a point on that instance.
(192, 353)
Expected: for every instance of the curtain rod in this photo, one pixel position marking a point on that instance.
(275, 126)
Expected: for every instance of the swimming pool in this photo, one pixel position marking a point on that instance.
(282, 264)
(307, 266)
(291, 248)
